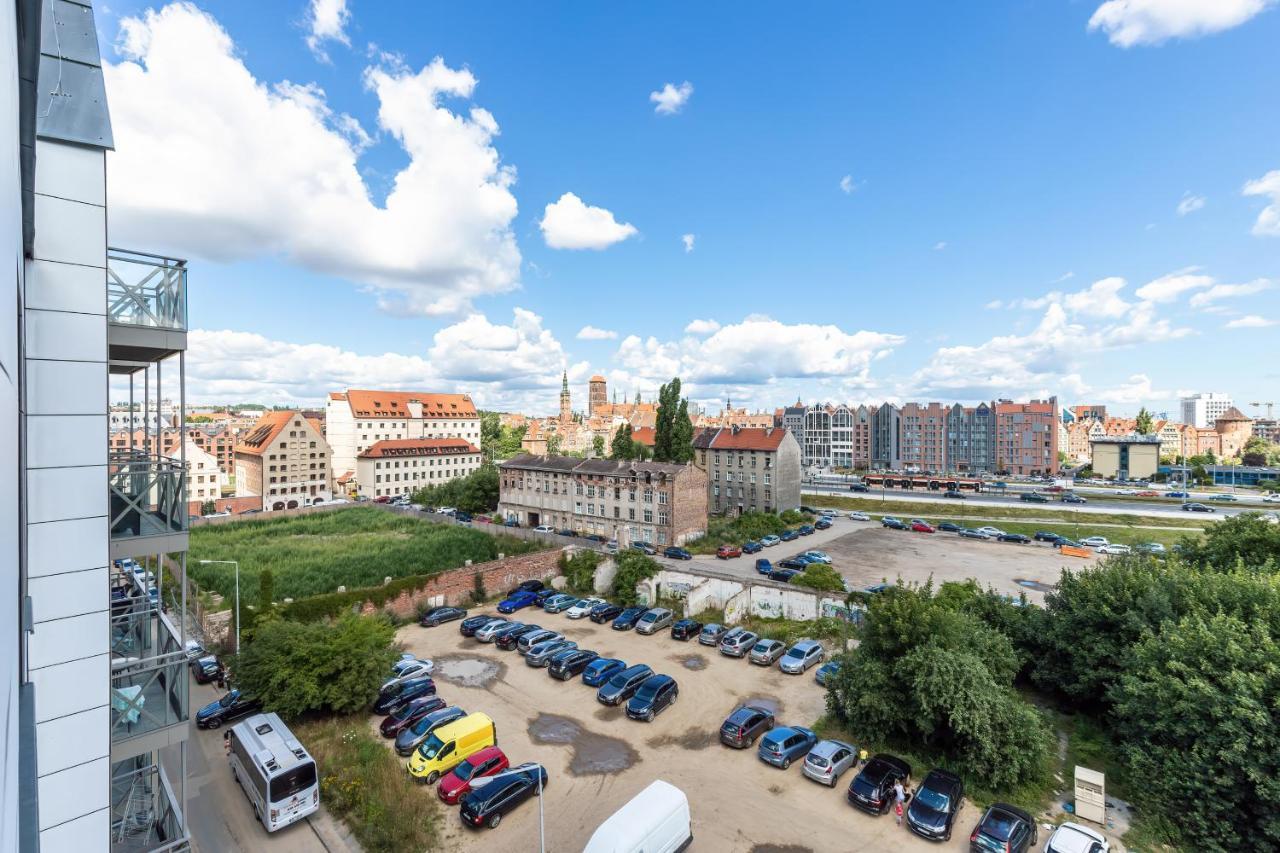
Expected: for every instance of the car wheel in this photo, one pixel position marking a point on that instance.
(786, 762)
(649, 717)
(494, 821)
(432, 777)
(214, 723)
(947, 836)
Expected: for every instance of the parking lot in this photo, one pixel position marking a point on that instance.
(598, 759)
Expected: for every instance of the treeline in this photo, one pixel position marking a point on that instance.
(476, 492)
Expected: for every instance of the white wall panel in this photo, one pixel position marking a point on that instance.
(83, 835)
(74, 686)
(69, 639)
(66, 336)
(57, 493)
(67, 546)
(71, 594)
(71, 172)
(66, 287)
(77, 233)
(66, 388)
(73, 792)
(61, 743)
(66, 440)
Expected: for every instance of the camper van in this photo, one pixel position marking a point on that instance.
(656, 820)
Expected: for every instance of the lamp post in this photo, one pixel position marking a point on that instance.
(235, 563)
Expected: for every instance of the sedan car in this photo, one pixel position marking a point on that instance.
(407, 714)
(487, 632)
(526, 586)
(230, 707)
(654, 620)
(520, 600)
(539, 656)
(818, 557)
(1224, 497)
(627, 619)
(858, 515)
(508, 640)
(738, 645)
(752, 547)
(1016, 538)
(400, 692)
(559, 603)
(685, 629)
(623, 685)
(971, 533)
(1094, 541)
(439, 615)
(1114, 549)
(767, 652)
(933, 809)
(826, 671)
(763, 566)
(800, 657)
(600, 670)
(457, 782)
(1197, 507)
(823, 523)
(789, 536)
(1045, 536)
(827, 760)
(952, 493)
(872, 789)
(770, 540)
(411, 738)
(949, 527)
(747, 722)
(485, 805)
(1074, 499)
(655, 695)
(583, 608)
(606, 612)
(784, 744)
(468, 627)
(1004, 828)
(724, 552)
(711, 633)
(919, 525)
(1074, 838)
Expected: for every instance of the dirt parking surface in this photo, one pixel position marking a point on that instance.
(597, 759)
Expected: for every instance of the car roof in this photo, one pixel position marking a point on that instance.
(743, 711)
(636, 669)
(805, 645)
(1074, 838)
(1012, 810)
(938, 779)
(884, 763)
(658, 679)
(826, 748)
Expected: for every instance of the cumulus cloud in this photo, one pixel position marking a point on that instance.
(214, 163)
(1100, 299)
(1137, 22)
(847, 185)
(688, 241)
(670, 99)
(702, 327)
(1137, 391)
(568, 223)
(940, 245)
(1190, 204)
(1250, 321)
(1169, 287)
(1268, 186)
(591, 333)
(1230, 291)
(326, 21)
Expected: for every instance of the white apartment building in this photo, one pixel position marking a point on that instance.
(94, 678)
(125, 420)
(356, 420)
(204, 478)
(1203, 410)
(402, 466)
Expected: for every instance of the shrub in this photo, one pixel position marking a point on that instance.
(820, 576)
(475, 493)
(478, 593)
(633, 567)
(579, 570)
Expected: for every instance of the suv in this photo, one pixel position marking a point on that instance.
(654, 620)
(1072, 837)
(1004, 829)
(652, 697)
(933, 809)
(623, 685)
(606, 612)
(872, 789)
(800, 657)
(741, 728)
(685, 629)
(785, 744)
(601, 670)
(566, 666)
(724, 552)
(508, 640)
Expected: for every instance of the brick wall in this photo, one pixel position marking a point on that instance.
(455, 586)
(689, 505)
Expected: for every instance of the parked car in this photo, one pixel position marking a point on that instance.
(711, 633)
(1192, 506)
(533, 638)
(655, 695)
(783, 575)
(1004, 828)
(1070, 543)
(992, 531)
(675, 553)
(644, 548)
(824, 673)
(738, 645)
(412, 737)
(439, 615)
(742, 727)
(859, 515)
(508, 640)
(1177, 494)
(1045, 536)
(606, 612)
(801, 656)
(539, 656)
(407, 714)
(559, 603)
(769, 541)
(1151, 548)
(654, 620)
(399, 692)
(805, 530)
(1074, 499)
(601, 670)
(486, 632)
(1114, 549)
(1094, 541)
(935, 805)
(623, 685)
(462, 517)
(564, 531)
(468, 627)
(827, 760)
(527, 586)
(1074, 838)
(784, 744)
(685, 629)
(767, 652)
(724, 552)
(817, 557)
(1016, 538)
(752, 547)
(949, 527)
(583, 607)
(952, 493)
(872, 789)
(231, 706)
(792, 563)
(205, 669)
(520, 600)
(486, 804)
(894, 523)
(763, 566)
(919, 525)
(457, 782)
(789, 536)
(568, 664)
(970, 533)
(823, 523)
(628, 618)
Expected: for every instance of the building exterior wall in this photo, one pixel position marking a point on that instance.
(349, 433)
(403, 475)
(922, 437)
(862, 437)
(204, 477)
(1027, 437)
(292, 468)
(1133, 460)
(884, 438)
(1203, 410)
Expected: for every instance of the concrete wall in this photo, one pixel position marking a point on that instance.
(740, 598)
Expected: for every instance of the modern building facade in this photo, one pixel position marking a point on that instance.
(355, 420)
(1130, 457)
(885, 429)
(1027, 437)
(971, 438)
(1203, 410)
(285, 461)
(749, 469)
(403, 466)
(922, 437)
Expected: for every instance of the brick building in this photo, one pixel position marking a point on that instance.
(922, 437)
(1027, 437)
(284, 460)
(749, 470)
(402, 466)
(218, 441)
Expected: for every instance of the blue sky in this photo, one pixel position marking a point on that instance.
(1001, 159)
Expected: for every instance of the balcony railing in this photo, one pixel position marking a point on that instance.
(148, 673)
(148, 495)
(146, 290)
(145, 814)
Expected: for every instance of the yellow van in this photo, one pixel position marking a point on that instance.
(449, 745)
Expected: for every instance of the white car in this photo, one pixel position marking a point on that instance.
(1271, 499)
(583, 608)
(991, 531)
(447, 510)
(544, 528)
(858, 515)
(1094, 541)
(1074, 838)
(1126, 491)
(1113, 549)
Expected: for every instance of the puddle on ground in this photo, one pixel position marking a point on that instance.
(772, 704)
(608, 713)
(593, 754)
(693, 662)
(780, 848)
(1036, 585)
(469, 671)
(576, 632)
(693, 738)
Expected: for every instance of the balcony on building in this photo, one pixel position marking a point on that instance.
(147, 499)
(146, 813)
(146, 308)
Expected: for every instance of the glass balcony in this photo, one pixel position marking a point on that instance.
(146, 290)
(148, 496)
(148, 668)
(145, 814)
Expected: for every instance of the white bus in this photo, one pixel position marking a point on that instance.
(274, 770)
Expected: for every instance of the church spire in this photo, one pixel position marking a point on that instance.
(564, 382)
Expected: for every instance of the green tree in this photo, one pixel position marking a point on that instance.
(579, 570)
(1143, 424)
(1244, 540)
(476, 492)
(597, 446)
(490, 434)
(266, 589)
(682, 435)
(553, 445)
(633, 567)
(299, 668)
(509, 442)
(820, 576)
(208, 508)
(623, 446)
(673, 431)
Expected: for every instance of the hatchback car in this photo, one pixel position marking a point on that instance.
(674, 553)
(412, 737)
(627, 619)
(583, 608)
(600, 670)
(1094, 541)
(623, 685)
(655, 695)
(654, 620)
(872, 789)
(400, 692)
(738, 645)
(1074, 838)
(1016, 538)
(818, 557)
(805, 530)
(769, 541)
(711, 633)
(485, 805)
(827, 760)
(606, 612)
(468, 627)
(457, 782)
(230, 707)
(747, 722)
(566, 664)
(205, 669)
(763, 566)
(439, 615)
(991, 531)
(823, 523)
(800, 657)
(752, 547)
(826, 671)
(784, 744)
(533, 638)
(486, 632)
(1004, 829)
(767, 652)
(921, 526)
(685, 629)
(724, 552)
(539, 656)
(933, 809)
(522, 599)
(508, 640)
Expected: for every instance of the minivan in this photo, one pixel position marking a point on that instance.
(654, 620)
(449, 745)
(656, 820)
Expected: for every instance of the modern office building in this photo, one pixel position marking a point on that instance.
(922, 437)
(885, 425)
(971, 438)
(1027, 437)
(94, 715)
(1203, 410)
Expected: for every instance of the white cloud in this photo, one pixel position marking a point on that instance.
(1066, 276)
(670, 99)
(940, 245)
(1230, 291)
(1100, 299)
(214, 163)
(568, 223)
(327, 21)
(1250, 321)
(1190, 203)
(1133, 22)
(847, 185)
(1169, 287)
(1137, 391)
(1268, 222)
(994, 304)
(702, 327)
(591, 333)
(475, 350)
(688, 240)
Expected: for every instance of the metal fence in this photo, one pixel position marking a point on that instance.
(148, 494)
(146, 290)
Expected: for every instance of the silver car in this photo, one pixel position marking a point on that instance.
(739, 644)
(801, 656)
(828, 759)
(532, 639)
(486, 633)
(654, 620)
(540, 655)
(767, 652)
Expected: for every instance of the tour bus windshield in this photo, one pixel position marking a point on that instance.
(293, 781)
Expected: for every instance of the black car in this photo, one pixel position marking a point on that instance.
(205, 669)
(894, 524)
(952, 493)
(933, 809)
(1004, 828)
(821, 524)
(606, 612)
(1045, 536)
(950, 527)
(594, 537)
(439, 615)
(1197, 507)
(685, 629)
(789, 536)
(464, 517)
(752, 547)
(872, 789)
(541, 595)
(507, 639)
(566, 666)
(1018, 538)
(468, 627)
(627, 619)
(232, 706)
(1070, 543)
(741, 728)
(526, 586)
(792, 563)
(1073, 499)
(644, 548)
(623, 686)
(485, 804)
(404, 716)
(394, 695)
(859, 487)
(784, 575)
(565, 532)
(675, 553)
(653, 697)
(411, 738)
(808, 509)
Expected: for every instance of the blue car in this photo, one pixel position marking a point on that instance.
(763, 566)
(789, 536)
(824, 673)
(752, 547)
(806, 530)
(628, 618)
(523, 598)
(1177, 494)
(785, 744)
(601, 670)
(674, 553)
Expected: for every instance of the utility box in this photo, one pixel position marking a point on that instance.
(1091, 795)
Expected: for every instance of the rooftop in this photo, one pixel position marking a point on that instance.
(395, 404)
(605, 467)
(418, 447)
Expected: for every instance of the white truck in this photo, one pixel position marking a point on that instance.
(656, 820)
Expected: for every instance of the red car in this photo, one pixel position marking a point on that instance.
(1146, 494)
(487, 762)
(724, 552)
(921, 526)
(382, 499)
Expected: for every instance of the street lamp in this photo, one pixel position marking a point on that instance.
(235, 563)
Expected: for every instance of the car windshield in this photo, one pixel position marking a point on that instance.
(933, 799)
(711, 629)
(795, 652)
(649, 617)
(226, 701)
(293, 781)
(464, 770)
(431, 747)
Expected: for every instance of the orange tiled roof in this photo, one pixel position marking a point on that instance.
(418, 447)
(337, 395)
(265, 431)
(644, 435)
(749, 438)
(395, 404)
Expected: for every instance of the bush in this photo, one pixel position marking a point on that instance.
(633, 567)
(579, 570)
(478, 592)
(820, 576)
(1242, 540)
(475, 493)
(745, 527)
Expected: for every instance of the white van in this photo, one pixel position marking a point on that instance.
(656, 820)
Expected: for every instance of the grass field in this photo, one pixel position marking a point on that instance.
(355, 547)
(976, 511)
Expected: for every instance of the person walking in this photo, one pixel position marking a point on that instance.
(899, 797)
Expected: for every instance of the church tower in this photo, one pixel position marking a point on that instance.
(566, 410)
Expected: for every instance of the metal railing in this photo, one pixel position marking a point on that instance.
(149, 685)
(146, 290)
(148, 494)
(145, 814)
